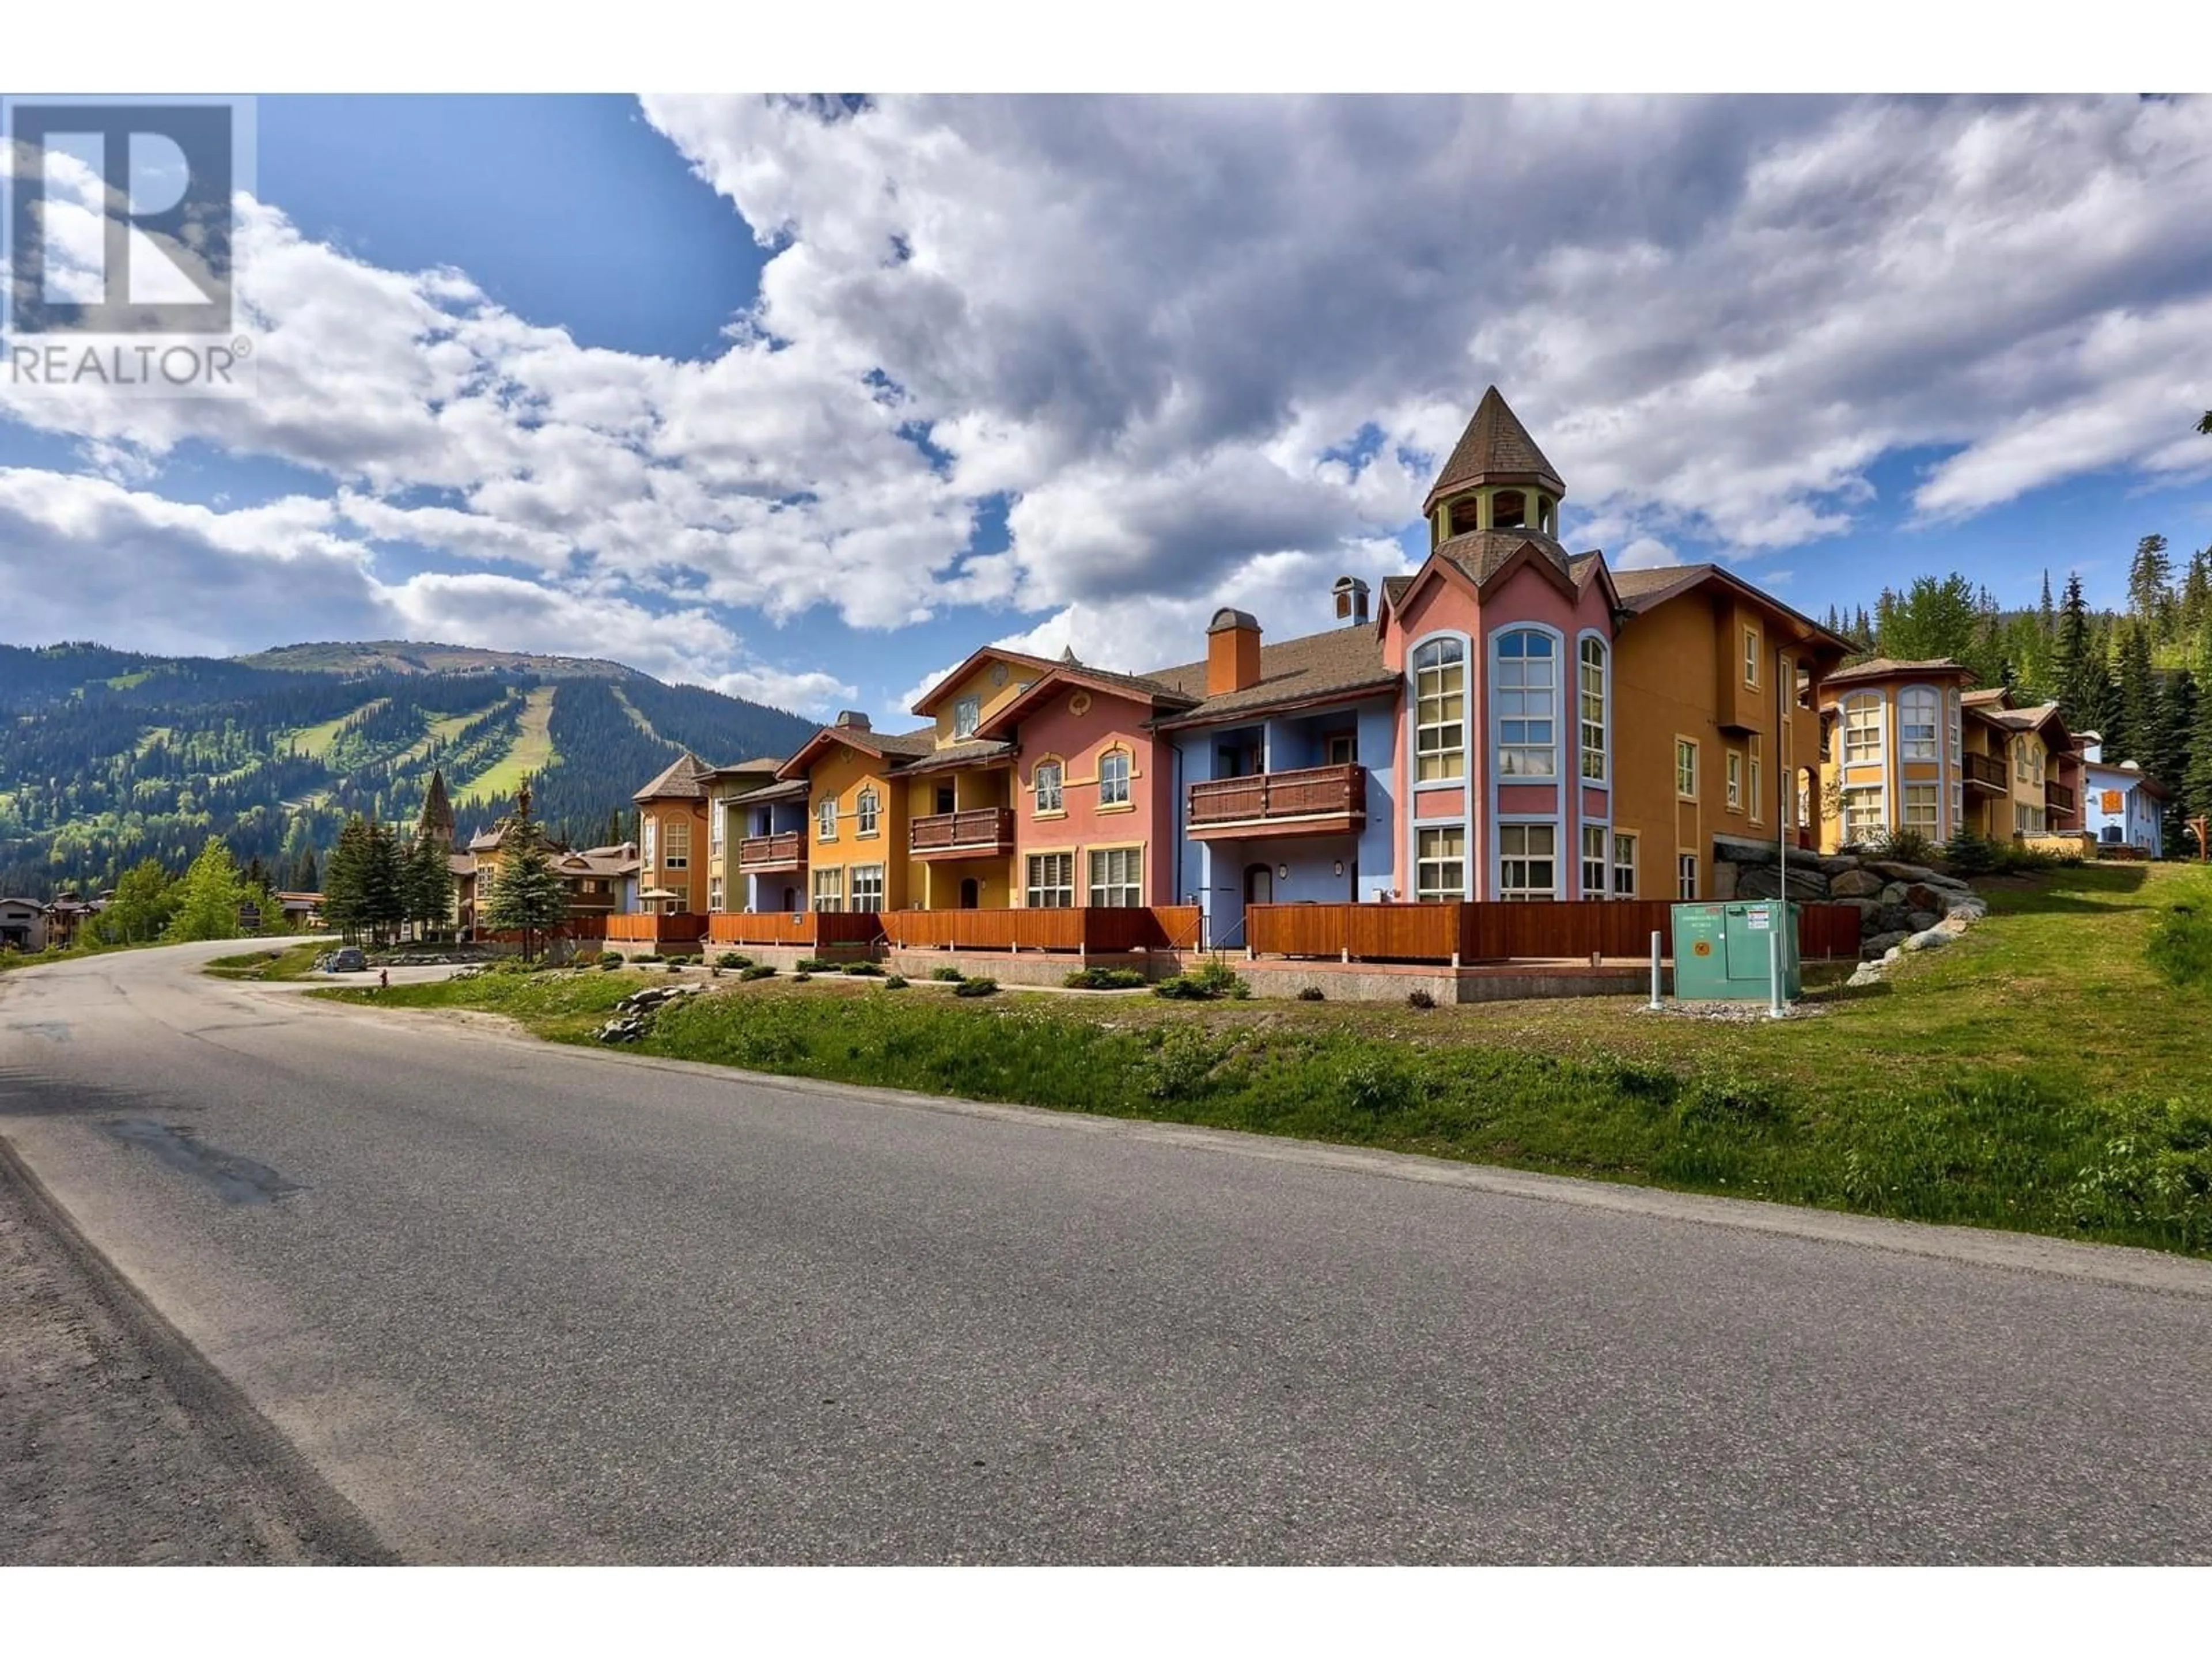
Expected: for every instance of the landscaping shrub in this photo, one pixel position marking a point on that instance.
(732, 960)
(1103, 979)
(863, 970)
(947, 975)
(1312, 993)
(975, 987)
(1969, 854)
(648, 956)
(801, 977)
(1419, 1000)
(1210, 982)
(757, 970)
(611, 959)
(1899, 845)
(895, 981)
(814, 965)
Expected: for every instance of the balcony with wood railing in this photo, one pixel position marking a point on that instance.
(1986, 772)
(1316, 800)
(2057, 798)
(764, 854)
(983, 832)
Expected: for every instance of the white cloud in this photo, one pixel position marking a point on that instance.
(1206, 348)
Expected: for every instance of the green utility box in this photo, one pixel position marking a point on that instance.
(1724, 952)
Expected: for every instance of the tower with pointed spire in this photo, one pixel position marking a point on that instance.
(437, 819)
(1496, 479)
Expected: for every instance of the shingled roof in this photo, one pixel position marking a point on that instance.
(1496, 448)
(1342, 659)
(684, 780)
(1479, 553)
(1884, 668)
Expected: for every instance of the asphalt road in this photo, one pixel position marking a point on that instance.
(517, 1304)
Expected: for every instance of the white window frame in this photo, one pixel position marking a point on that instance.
(1624, 864)
(1597, 847)
(1440, 862)
(1050, 881)
(1754, 785)
(1751, 654)
(1590, 706)
(1515, 689)
(1862, 736)
(1922, 809)
(825, 818)
(1115, 769)
(714, 891)
(1919, 735)
(677, 854)
(649, 838)
(1685, 875)
(715, 812)
(1439, 730)
(1856, 812)
(866, 877)
(1519, 858)
(967, 716)
(867, 812)
(1686, 760)
(829, 894)
(1736, 781)
(1115, 878)
(1049, 783)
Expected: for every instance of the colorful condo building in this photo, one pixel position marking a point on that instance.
(1909, 746)
(1510, 721)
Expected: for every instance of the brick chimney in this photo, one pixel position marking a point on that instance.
(1232, 652)
(853, 720)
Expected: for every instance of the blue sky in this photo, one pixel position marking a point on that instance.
(806, 401)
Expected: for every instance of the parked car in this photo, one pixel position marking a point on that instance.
(350, 960)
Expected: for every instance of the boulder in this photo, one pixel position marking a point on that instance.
(1832, 865)
(1949, 884)
(1963, 910)
(1762, 881)
(1881, 943)
(1928, 938)
(1743, 852)
(1893, 919)
(1855, 883)
(1923, 920)
(1897, 892)
(1921, 896)
(1901, 872)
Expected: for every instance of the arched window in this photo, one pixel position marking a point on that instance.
(1440, 710)
(1590, 697)
(1862, 728)
(1917, 714)
(1526, 690)
(1046, 779)
(864, 813)
(1114, 778)
(825, 818)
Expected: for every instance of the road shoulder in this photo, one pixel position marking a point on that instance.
(119, 1445)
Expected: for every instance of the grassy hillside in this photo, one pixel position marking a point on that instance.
(108, 756)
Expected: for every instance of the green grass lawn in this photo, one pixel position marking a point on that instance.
(2038, 1075)
(314, 741)
(530, 752)
(269, 963)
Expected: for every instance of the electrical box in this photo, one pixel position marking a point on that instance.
(1725, 952)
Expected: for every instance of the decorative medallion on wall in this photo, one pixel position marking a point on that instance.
(998, 673)
(1079, 704)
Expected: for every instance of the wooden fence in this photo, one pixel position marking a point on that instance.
(1090, 929)
(1503, 933)
(683, 928)
(812, 929)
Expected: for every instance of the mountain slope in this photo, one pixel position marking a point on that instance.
(108, 757)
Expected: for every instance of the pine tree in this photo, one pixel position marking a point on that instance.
(527, 896)
(2168, 760)
(346, 879)
(2077, 668)
(2149, 576)
(428, 885)
(2135, 729)
(2196, 781)
(2045, 613)
(2194, 609)
(208, 897)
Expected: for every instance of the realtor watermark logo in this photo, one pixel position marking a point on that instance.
(122, 250)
